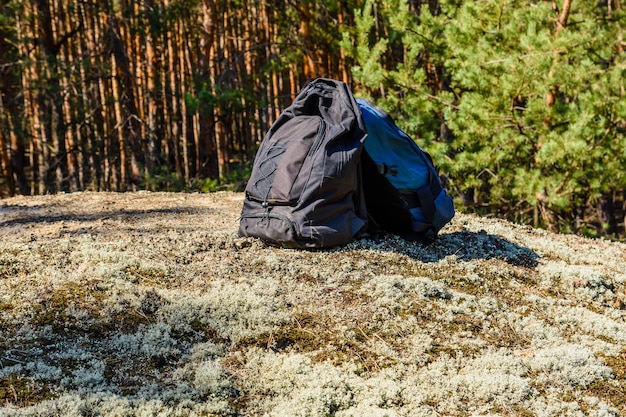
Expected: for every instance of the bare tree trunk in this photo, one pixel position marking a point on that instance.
(71, 106)
(5, 152)
(217, 80)
(186, 132)
(91, 141)
(207, 127)
(154, 114)
(124, 149)
(561, 23)
(39, 152)
(11, 146)
(606, 214)
(52, 103)
(106, 134)
(174, 80)
(128, 109)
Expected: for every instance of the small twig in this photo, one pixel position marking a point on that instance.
(14, 391)
(441, 101)
(7, 358)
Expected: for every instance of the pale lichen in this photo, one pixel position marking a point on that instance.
(149, 304)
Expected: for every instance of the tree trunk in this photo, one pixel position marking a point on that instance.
(126, 95)
(11, 146)
(5, 152)
(207, 146)
(52, 103)
(606, 214)
(70, 91)
(561, 24)
(154, 111)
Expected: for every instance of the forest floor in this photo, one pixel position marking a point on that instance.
(150, 304)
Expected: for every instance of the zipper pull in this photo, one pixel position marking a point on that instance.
(266, 206)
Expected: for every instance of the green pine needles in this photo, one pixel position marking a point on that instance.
(525, 116)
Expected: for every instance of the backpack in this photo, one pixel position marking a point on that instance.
(305, 188)
(332, 167)
(404, 195)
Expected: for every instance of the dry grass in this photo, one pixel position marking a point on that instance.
(149, 304)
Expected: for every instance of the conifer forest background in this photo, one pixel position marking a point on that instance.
(522, 104)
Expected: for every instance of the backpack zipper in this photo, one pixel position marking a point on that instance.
(321, 130)
(268, 215)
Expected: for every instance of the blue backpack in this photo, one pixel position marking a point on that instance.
(403, 193)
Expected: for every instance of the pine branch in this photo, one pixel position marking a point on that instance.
(560, 25)
(562, 20)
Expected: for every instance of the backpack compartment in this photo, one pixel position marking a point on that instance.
(412, 193)
(271, 224)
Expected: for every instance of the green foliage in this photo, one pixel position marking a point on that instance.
(367, 50)
(8, 10)
(235, 181)
(470, 79)
(203, 101)
(164, 180)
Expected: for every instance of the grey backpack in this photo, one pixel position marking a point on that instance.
(305, 187)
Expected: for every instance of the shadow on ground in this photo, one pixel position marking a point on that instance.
(467, 246)
(464, 246)
(124, 214)
(46, 219)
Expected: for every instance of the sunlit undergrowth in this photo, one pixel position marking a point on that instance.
(149, 304)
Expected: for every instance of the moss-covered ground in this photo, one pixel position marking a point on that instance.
(150, 304)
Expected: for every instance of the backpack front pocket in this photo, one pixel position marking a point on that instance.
(281, 171)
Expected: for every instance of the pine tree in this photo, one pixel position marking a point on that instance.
(521, 105)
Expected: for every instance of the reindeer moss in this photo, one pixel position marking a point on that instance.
(150, 303)
(613, 390)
